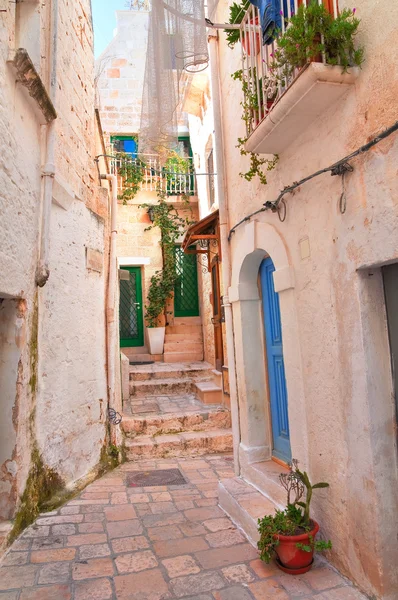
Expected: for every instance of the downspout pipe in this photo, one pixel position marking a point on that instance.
(48, 173)
(110, 303)
(225, 249)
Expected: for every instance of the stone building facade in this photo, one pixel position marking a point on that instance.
(53, 235)
(334, 255)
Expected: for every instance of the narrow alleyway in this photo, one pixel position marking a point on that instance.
(120, 541)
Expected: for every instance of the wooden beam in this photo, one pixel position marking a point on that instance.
(212, 236)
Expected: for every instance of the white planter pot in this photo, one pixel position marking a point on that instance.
(156, 339)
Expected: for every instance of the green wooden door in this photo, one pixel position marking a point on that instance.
(186, 297)
(131, 324)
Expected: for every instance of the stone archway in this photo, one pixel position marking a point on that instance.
(251, 244)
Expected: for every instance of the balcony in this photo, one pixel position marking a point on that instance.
(280, 107)
(147, 173)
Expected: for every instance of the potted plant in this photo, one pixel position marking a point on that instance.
(158, 294)
(236, 15)
(290, 533)
(313, 33)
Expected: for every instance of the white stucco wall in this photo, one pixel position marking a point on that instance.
(336, 349)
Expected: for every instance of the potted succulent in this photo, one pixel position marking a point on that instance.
(290, 533)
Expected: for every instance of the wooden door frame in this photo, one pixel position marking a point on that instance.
(128, 343)
(217, 325)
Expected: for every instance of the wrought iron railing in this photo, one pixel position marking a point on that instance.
(263, 86)
(155, 175)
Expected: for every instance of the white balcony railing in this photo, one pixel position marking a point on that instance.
(154, 176)
(262, 85)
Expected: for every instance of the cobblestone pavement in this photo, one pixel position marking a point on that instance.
(152, 543)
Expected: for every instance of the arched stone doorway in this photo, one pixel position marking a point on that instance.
(251, 245)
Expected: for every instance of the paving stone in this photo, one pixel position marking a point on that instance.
(322, 578)
(22, 544)
(48, 543)
(130, 544)
(138, 561)
(202, 582)
(94, 551)
(52, 592)
(119, 498)
(162, 520)
(96, 589)
(91, 527)
(191, 529)
(95, 517)
(342, 593)
(222, 557)
(96, 508)
(60, 519)
(9, 595)
(14, 559)
(69, 510)
(86, 538)
(295, 586)
(120, 529)
(95, 496)
(66, 529)
(206, 502)
(122, 512)
(97, 567)
(263, 570)
(225, 538)
(139, 498)
(148, 585)
(161, 497)
(17, 577)
(164, 549)
(238, 574)
(35, 532)
(180, 565)
(184, 504)
(160, 508)
(55, 573)
(214, 525)
(203, 514)
(47, 556)
(170, 532)
(232, 593)
(266, 589)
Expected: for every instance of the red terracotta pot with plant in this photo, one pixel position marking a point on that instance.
(291, 533)
(248, 36)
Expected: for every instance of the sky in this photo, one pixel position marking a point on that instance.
(105, 22)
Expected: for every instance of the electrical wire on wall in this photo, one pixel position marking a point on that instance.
(341, 167)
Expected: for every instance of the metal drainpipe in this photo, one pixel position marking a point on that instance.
(225, 249)
(48, 173)
(110, 303)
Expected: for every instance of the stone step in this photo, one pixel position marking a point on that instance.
(187, 321)
(194, 372)
(182, 337)
(265, 477)
(161, 387)
(184, 329)
(208, 392)
(244, 505)
(186, 346)
(193, 443)
(202, 420)
(172, 357)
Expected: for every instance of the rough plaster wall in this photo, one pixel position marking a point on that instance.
(338, 374)
(72, 384)
(120, 74)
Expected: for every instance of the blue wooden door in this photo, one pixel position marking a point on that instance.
(276, 369)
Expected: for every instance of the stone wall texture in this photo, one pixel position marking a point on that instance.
(336, 351)
(52, 340)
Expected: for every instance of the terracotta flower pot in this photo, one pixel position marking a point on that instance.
(292, 559)
(246, 42)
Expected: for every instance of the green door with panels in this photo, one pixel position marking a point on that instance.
(131, 325)
(186, 297)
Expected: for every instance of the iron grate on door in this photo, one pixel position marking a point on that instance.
(186, 299)
(128, 308)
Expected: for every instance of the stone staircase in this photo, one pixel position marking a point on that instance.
(165, 418)
(184, 340)
(259, 494)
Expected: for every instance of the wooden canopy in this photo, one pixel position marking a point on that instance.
(203, 235)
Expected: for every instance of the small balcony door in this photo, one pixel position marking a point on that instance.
(131, 322)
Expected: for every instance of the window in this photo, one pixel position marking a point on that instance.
(125, 143)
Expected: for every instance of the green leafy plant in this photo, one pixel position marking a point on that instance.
(176, 169)
(236, 13)
(294, 519)
(132, 170)
(250, 104)
(162, 283)
(313, 32)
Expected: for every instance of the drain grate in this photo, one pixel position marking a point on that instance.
(152, 478)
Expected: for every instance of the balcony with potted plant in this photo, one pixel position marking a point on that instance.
(295, 65)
